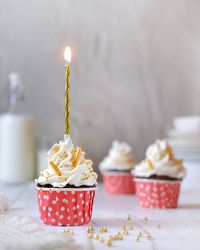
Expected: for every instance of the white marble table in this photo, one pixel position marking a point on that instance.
(180, 228)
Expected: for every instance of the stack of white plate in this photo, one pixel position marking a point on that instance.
(184, 137)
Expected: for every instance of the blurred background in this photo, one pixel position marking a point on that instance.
(135, 67)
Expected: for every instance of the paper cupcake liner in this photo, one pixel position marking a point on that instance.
(157, 193)
(65, 206)
(118, 183)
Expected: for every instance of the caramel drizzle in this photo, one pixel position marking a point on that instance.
(55, 168)
(77, 157)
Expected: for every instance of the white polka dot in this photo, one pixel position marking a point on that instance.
(57, 213)
(57, 199)
(87, 203)
(80, 213)
(72, 192)
(59, 224)
(50, 209)
(83, 201)
(62, 208)
(61, 216)
(53, 201)
(44, 208)
(47, 197)
(81, 194)
(78, 206)
(68, 217)
(74, 200)
(49, 214)
(74, 208)
(53, 220)
(86, 215)
(75, 216)
(82, 220)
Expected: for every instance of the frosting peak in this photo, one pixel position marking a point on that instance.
(160, 161)
(120, 157)
(67, 165)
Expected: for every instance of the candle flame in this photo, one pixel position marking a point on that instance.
(67, 55)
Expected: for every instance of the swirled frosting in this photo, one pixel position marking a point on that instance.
(160, 161)
(63, 155)
(120, 157)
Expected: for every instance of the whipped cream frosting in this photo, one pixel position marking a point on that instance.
(160, 161)
(63, 156)
(120, 157)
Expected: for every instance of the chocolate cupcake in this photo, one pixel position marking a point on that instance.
(158, 177)
(67, 187)
(116, 169)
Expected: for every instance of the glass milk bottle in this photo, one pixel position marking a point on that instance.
(17, 137)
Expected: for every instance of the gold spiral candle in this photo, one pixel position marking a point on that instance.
(67, 99)
(67, 56)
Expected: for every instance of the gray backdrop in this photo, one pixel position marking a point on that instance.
(135, 66)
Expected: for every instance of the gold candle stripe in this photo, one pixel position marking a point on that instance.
(67, 99)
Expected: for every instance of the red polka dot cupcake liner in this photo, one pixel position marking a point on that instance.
(65, 206)
(118, 183)
(157, 193)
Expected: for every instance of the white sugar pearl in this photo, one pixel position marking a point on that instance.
(74, 208)
(50, 209)
(68, 217)
(61, 216)
(53, 201)
(73, 200)
(62, 208)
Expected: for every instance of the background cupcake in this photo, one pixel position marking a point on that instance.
(116, 169)
(67, 187)
(158, 177)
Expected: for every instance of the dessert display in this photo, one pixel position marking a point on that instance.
(116, 169)
(158, 177)
(66, 188)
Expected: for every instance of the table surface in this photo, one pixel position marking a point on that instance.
(179, 228)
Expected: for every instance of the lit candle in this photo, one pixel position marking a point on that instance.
(67, 56)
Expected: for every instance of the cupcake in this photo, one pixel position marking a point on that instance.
(116, 169)
(66, 189)
(158, 177)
